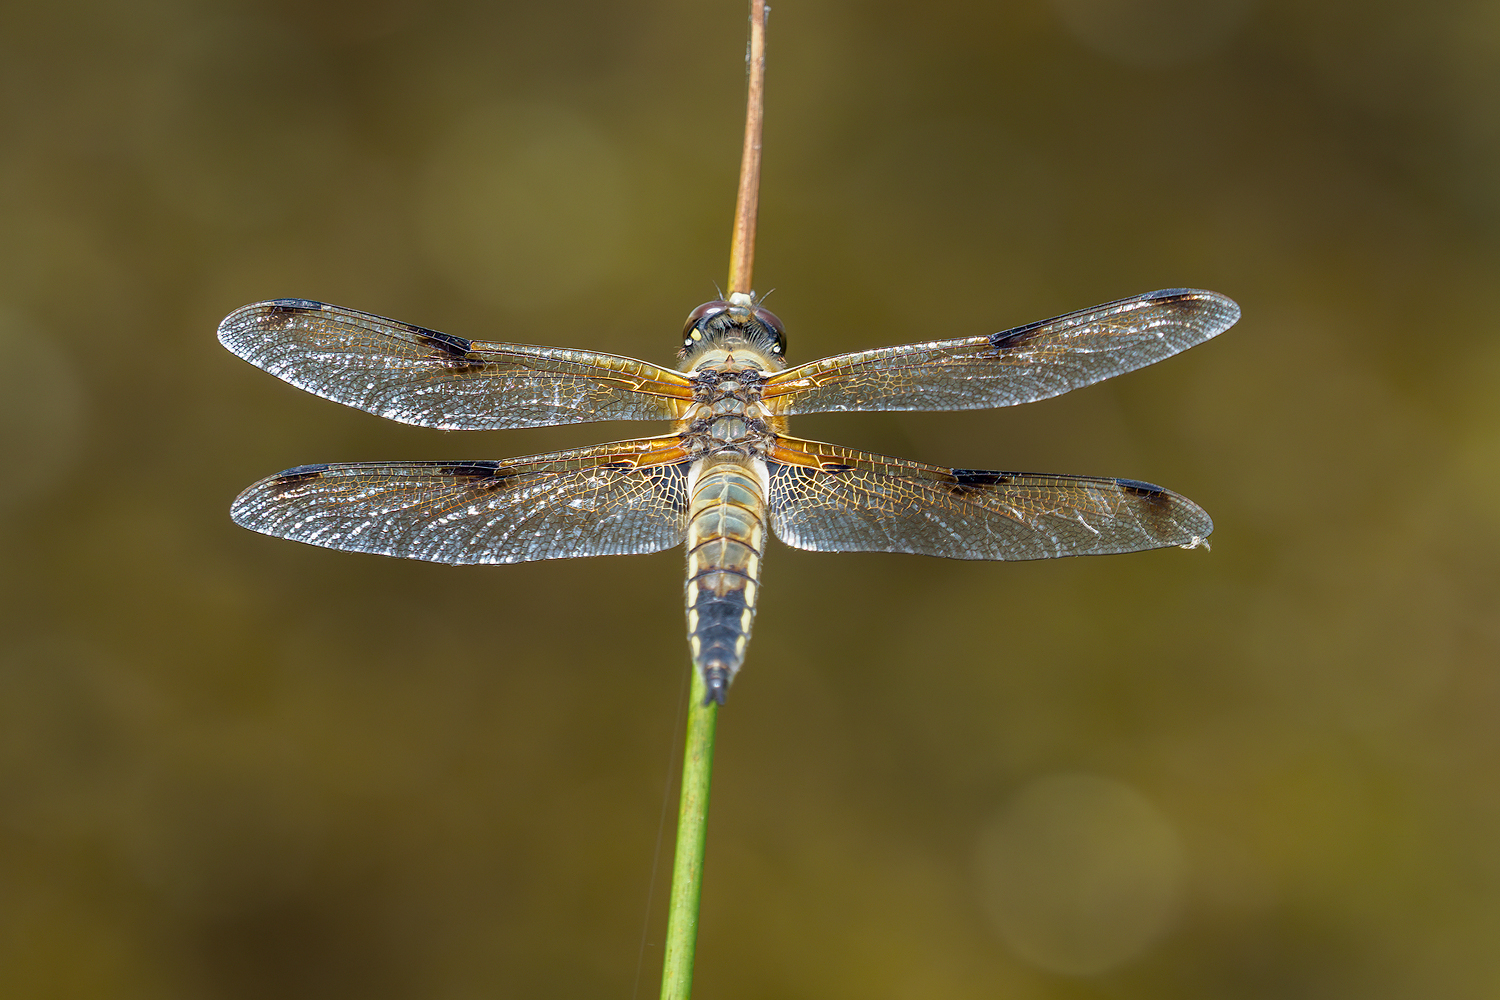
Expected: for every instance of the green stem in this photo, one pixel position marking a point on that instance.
(692, 831)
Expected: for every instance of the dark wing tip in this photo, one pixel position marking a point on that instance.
(1211, 315)
(248, 509)
(1227, 308)
(233, 327)
(275, 486)
(1171, 514)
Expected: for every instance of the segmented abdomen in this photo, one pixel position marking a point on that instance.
(726, 538)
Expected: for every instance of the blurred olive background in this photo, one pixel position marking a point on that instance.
(235, 767)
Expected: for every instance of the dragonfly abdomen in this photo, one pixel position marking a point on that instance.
(726, 538)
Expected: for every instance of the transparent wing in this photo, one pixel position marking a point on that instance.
(615, 499)
(435, 379)
(831, 499)
(1017, 366)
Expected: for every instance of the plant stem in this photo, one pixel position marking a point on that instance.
(742, 243)
(692, 832)
(698, 759)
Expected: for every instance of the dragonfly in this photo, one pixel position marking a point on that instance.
(728, 474)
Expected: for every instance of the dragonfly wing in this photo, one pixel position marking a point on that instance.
(1028, 363)
(831, 499)
(432, 379)
(616, 499)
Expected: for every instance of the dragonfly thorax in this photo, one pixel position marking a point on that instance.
(727, 414)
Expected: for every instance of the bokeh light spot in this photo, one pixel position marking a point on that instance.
(1079, 873)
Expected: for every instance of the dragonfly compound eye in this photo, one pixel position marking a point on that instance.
(692, 330)
(773, 325)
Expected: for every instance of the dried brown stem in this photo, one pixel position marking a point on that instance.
(742, 245)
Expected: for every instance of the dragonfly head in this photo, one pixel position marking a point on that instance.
(737, 322)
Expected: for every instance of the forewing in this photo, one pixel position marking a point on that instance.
(830, 499)
(433, 379)
(1016, 366)
(615, 499)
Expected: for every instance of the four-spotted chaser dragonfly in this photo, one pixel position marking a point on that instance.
(729, 473)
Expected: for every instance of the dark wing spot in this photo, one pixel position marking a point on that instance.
(474, 470)
(802, 471)
(969, 480)
(303, 472)
(290, 478)
(1182, 300)
(1141, 489)
(453, 347)
(1019, 336)
(294, 305)
(1157, 504)
(1009, 339)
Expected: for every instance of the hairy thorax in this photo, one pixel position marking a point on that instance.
(727, 416)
